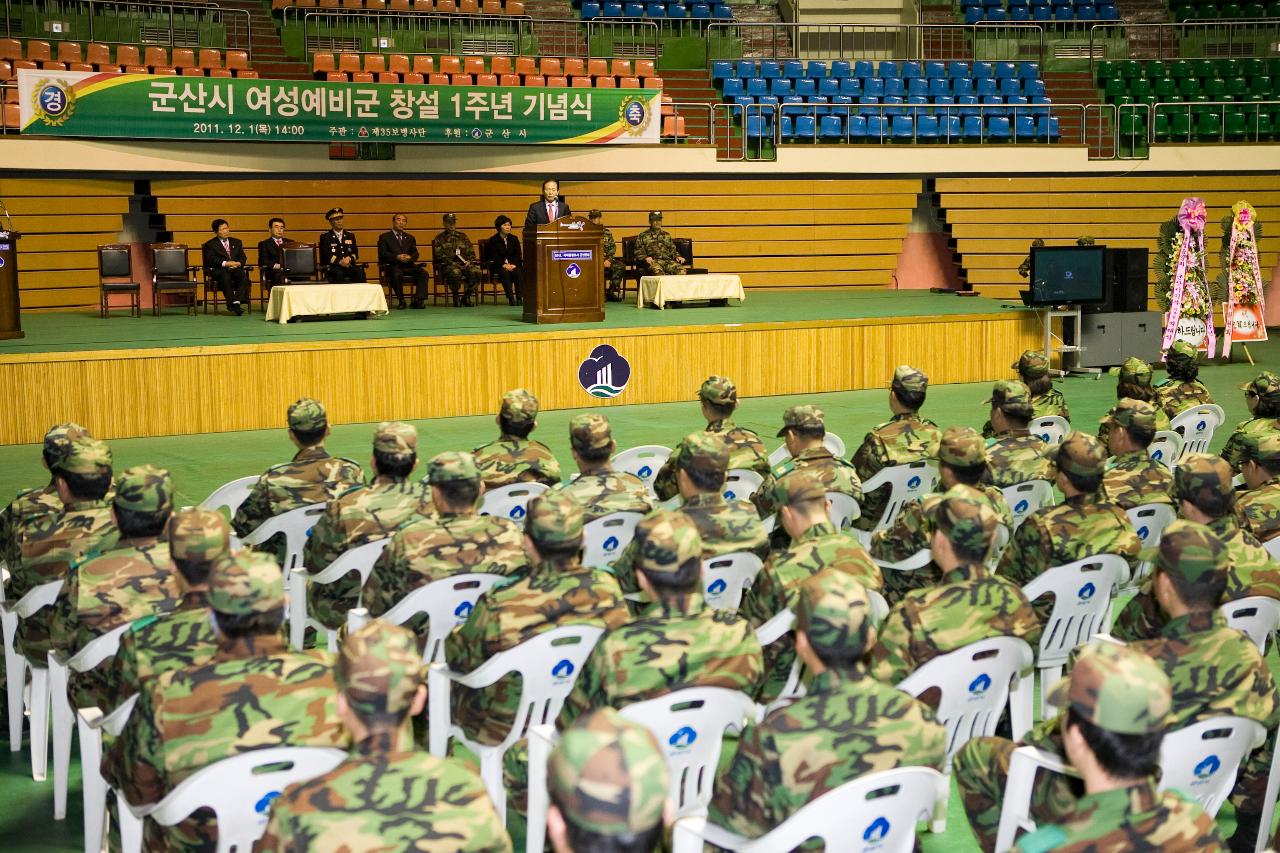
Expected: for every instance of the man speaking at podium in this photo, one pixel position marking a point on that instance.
(550, 208)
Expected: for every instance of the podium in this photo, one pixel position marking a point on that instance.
(10, 321)
(564, 273)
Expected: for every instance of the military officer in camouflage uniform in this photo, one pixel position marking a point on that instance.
(1033, 370)
(339, 254)
(513, 457)
(803, 429)
(655, 251)
(614, 269)
(718, 397)
(600, 489)
(557, 591)
(725, 527)
(33, 505)
(454, 259)
(385, 794)
(109, 588)
(364, 514)
(847, 725)
(906, 437)
(1133, 478)
(253, 693)
(1134, 383)
(1262, 396)
(1182, 390)
(962, 460)
(1258, 509)
(969, 604)
(1014, 455)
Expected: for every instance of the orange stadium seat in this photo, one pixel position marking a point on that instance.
(10, 49)
(549, 65)
(136, 69)
(53, 65)
(388, 77)
(79, 66)
(192, 71)
(598, 67)
(514, 7)
(526, 65)
(469, 7)
(398, 5)
(509, 80)
(12, 117)
(424, 64)
(39, 51)
(247, 74)
(605, 82)
(329, 4)
(491, 7)
(237, 60)
(461, 80)
(413, 78)
(375, 63)
(278, 5)
(486, 79)
(69, 52)
(97, 54)
(651, 83)
(673, 126)
(11, 95)
(336, 77)
(219, 72)
(352, 4)
(6, 71)
(361, 77)
(127, 54)
(574, 67)
(422, 6)
(500, 64)
(557, 81)
(375, 4)
(628, 82)
(534, 80)
(184, 57)
(164, 70)
(438, 79)
(210, 58)
(23, 63)
(446, 7)
(644, 68)
(349, 62)
(620, 68)
(398, 63)
(580, 82)
(154, 55)
(473, 65)
(304, 4)
(450, 65)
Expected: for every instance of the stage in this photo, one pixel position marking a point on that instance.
(178, 374)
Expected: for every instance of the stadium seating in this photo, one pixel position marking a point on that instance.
(487, 71)
(1207, 10)
(656, 10)
(1038, 11)
(438, 7)
(132, 59)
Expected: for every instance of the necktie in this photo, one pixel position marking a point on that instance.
(551, 210)
(226, 247)
(279, 241)
(399, 239)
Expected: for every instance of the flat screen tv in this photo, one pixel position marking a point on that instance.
(1072, 275)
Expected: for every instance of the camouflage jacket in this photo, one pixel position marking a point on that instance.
(1048, 404)
(746, 452)
(902, 439)
(446, 249)
(508, 460)
(1104, 429)
(161, 643)
(602, 493)
(1176, 397)
(1079, 527)
(27, 509)
(1017, 456)
(545, 598)
(969, 605)
(610, 245)
(1234, 450)
(726, 527)
(311, 477)
(1134, 479)
(836, 474)
(386, 796)
(846, 726)
(361, 515)
(671, 645)
(655, 243)
(1258, 510)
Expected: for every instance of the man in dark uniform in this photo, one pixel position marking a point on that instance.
(506, 261)
(224, 263)
(550, 208)
(339, 254)
(271, 254)
(398, 256)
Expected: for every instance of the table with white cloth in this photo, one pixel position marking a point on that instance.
(661, 289)
(309, 300)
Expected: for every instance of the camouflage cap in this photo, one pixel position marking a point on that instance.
(1264, 449)
(450, 218)
(962, 447)
(1266, 385)
(519, 406)
(1117, 688)
(834, 611)
(804, 417)
(590, 432)
(246, 583)
(665, 541)
(1181, 351)
(1032, 364)
(379, 668)
(144, 488)
(307, 415)
(86, 456)
(1203, 478)
(396, 438)
(706, 451)
(198, 535)
(57, 442)
(452, 467)
(719, 391)
(1133, 414)
(798, 486)
(966, 518)
(1011, 396)
(907, 378)
(1135, 371)
(1193, 552)
(1080, 454)
(607, 775)
(554, 518)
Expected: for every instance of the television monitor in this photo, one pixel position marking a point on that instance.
(1070, 275)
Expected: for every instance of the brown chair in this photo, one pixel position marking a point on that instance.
(11, 118)
(210, 58)
(461, 80)
(491, 7)
(322, 63)
(605, 83)
(6, 71)
(336, 77)
(79, 66)
(644, 68)
(220, 72)
(558, 82)
(398, 5)
(388, 77)
(53, 65)
(535, 80)
(629, 83)
(438, 79)
(446, 7)
(115, 275)
(468, 7)
(69, 52)
(172, 275)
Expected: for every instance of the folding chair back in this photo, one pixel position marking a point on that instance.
(1027, 497)
(604, 539)
(726, 578)
(511, 501)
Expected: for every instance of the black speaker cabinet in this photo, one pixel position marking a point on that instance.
(1126, 273)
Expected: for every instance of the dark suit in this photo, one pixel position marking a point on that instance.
(233, 282)
(269, 254)
(391, 244)
(505, 249)
(333, 250)
(538, 212)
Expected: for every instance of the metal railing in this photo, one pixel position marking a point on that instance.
(176, 24)
(875, 41)
(1209, 40)
(687, 109)
(1250, 129)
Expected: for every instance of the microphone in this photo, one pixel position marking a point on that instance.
(7, 218)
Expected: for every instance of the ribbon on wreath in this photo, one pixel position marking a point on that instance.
(1191, 218)
(1243, 240)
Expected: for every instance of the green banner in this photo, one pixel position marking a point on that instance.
(148, 106)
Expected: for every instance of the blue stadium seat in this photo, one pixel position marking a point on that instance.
(770, 69)
(611, 10)
(831, 127)
(985, 87)
(590, 11)
(721, 12)
(981, 70)
(902, 128)
(818, 104)
(998, 129)
(1017, 4)
(910, 70)
(676, 12)
(875, 128)
(950, 128)
(757, 127)
(1033, 88)
(863, 69)
(917, 86)
(733, 88)
(1004, 70)
(757, 86)
(993, 105)
(842, 99)
(1108, 13)
(806, 127)
(894, 87)
(1041, 13)
(806, 88)
(766, 101)
(1064, 13)
(793, 105)
(939, 87)
(969, 4)
(828, 87)
(816, 69)
(742, 101)
(700, 12)
(927, 128)
(1028, 71)
(1010, 86)
(873, 87)
(894, 110)
(1024, 127)
(785, 129)
(868, 106)
(656, 10)
(1086, 13)
(972, 128)
(840, 69)
(721, 70)
(967, 105)
(962, 86)
(747, 68)
(1019, 14)
(793, 69)
(1042, 106)
(997, 15)
(944, 100)
(633, 10)
(851, 86)
(973, 15)
(887, 69)
(958, 70)
(779, 86)
(857, 128)
(935, 70)
(1047, 128)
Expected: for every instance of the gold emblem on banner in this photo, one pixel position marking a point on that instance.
(635, 114)
(54, 102)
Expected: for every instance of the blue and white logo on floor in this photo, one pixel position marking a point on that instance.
(604, 373)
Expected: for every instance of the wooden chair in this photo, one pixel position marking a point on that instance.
(115, 275)
(408, 286)
(172, 274)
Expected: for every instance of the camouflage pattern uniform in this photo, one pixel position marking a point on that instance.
(549, 596)
(1258, 510)
(601, 490)
(385, 795)
(746, 450)
(970, 604)
(847, 725)
(904, 438)
(1015, 455)
(31, 506)
(1264, 389)
(361, 515)
(105, 590)
(1176, 396)
(1032, 365)
(1135, 479)
(655, 243)
(835, 474)
(616, 271)
(1134, 371)
(508, 459)
(253, 693)
(446, 249)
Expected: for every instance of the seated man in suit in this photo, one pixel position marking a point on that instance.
(271, 254)
(339, 254)
(224, 262)
(398, 256)
(506, 261)
(550, 208)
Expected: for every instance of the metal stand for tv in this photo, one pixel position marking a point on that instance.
(1067, 313)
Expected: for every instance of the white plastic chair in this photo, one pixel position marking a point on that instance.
(779, 455)
(511, 501)
(727, 577)
(830, 441)
(230, 495)
(1166, 448)
(1082, 591)
(644, 461)
(1196, 426)
(1256, 616)
(916, 561)
(1272, 547)
(295, 525)
(548, 666)
(1149, 522)
(908, 482)
(878, 812)
(1051, 429)
(240, 790)
(842, 509)
(999, 541)
(447, 602)
(604, 539)
(1027, 497)
(90, 724)
(1273, 791)
(16, 666)
(740, 484)
(359, 559)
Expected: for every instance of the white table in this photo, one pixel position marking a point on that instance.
(661, 289)
(306, 300)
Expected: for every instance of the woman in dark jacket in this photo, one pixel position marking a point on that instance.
(505, 260)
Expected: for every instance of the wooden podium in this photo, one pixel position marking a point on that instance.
(10, 320)
(564, 273)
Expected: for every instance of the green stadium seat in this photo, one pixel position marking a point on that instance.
(1253, 67)
(1166, 89)
(1266, 126)
(1115, 91)
(1180, 127)
(1190, 88)
(1154, 69)
(1209, 127)
(1262, 87)
(1184, 13)
(1130, 69)
(1253, 10)
(1179, 69)
(1161, 128)
(1133, 132)
(1230, 11)
(1105, 70)
(1140, 88)
(1202, 68)
(1215, 88)
(1225, 68)
(1273, 67)
(1237, 127)
(1237, 87)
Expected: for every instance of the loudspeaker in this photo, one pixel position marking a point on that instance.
(1127, 277)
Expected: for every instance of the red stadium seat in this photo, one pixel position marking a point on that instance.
(329, 4)
(598, 67)
(210, 58)
(192, 71)
(336, 77)
(514, 7)
(23, 63)
(375, 63)
(10, 49)
(79, 66)
(629, 83)
(644, 68)
(424, 64)
(39, 51)
(446, 7)
(605, 83)
(164, 70)
(352, 4)
(486, 79)
(468, 7)
(491, 7)
(12, 117)
(575, 67)
(54, 66)
(136, 69)
(219, 72)
(375, 4)
(673, 126)
(398, 5)
(388, 77)
(651, 83)
(6, 71)
(621, 68)
(473, 65)
(153, 56)
(413, 78)
(423, 6)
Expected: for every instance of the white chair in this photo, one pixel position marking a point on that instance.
(842, 509)
(908, 482)
(1272, 547)
(1051, 429)
(1082, 591)
(240, 790)
(830, 441)
(359, 559)
(1027, 497)
(90, 724)
(604, 539)
(295, 525)
(1166, 448)
(16, 666)
(779, 455)
(1149, 522)
(1273, 791)
(1256, 616)
(511, 501)
(548, 666)
(727, 577)
(644, 461)
(740, 484)
(1196, 426)
(447, 602)
(916, 561)
(878, 812)
(230, 495)
(999, 541)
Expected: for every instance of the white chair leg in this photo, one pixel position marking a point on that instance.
(1049, 676)
(939, 823)
(491, 775)
(130, 827)
(15, 666)
(39, 723)
(1269, 802)
(539, 798)
(94, 787)
(297, 610)
(63, 726)
(332, 637)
